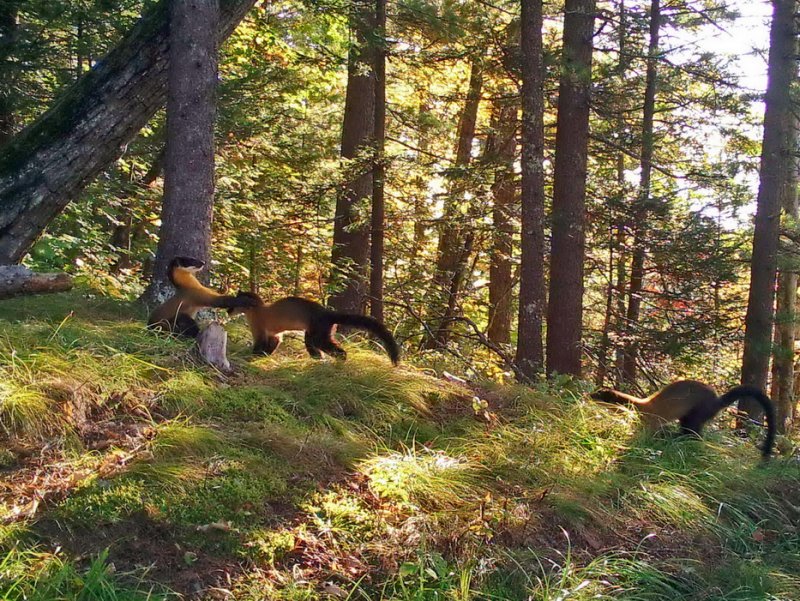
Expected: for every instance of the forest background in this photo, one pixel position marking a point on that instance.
(672, 155)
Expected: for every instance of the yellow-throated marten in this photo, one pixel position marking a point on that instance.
(693, 404)
(292, 313)
(177, 313)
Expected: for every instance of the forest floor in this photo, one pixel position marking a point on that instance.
(129, 470)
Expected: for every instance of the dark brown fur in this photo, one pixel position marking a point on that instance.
(693, 404)
(268, 322)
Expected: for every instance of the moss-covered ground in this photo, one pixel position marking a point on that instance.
(129, 470)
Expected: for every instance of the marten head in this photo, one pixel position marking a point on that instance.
(188, 263)
(245, 301)
(183, 265)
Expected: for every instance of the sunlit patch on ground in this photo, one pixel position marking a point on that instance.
(130, 471)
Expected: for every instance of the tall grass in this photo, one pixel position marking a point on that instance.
(34, 575)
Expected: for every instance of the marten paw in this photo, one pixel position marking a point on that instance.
(244, 300)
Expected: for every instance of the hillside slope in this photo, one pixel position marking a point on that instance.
(132, 471)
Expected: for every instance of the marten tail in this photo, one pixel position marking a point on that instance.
(372, 326)
(607, 395)
(740, 392)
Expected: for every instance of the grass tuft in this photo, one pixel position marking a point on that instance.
(422, 477)
(26, 412)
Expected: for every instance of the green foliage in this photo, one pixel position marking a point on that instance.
(314, 474)
(35, 575)
(430, 479)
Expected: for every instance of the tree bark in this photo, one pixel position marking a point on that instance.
(187, 209)
(350, 231)
(565, 308)
(8, 38)
(501, 150)
(643, 202)
(775, 161)
(379, 170)
(450, 257)
(47, 165)
(782, 392)
(530, 350)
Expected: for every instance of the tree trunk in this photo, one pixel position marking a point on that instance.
(47, 165)
(450, 260)
(350, 231)
(622, 224)
(187, 209)
(421, 210)
(501, 150)
(782, 392)
(605, 335)
(775, 161)
(8, 38)
(565, 308)
(643, 203)
(615, 303)
(530, 350)
(379, 170)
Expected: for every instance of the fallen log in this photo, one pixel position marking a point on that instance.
(16, 280)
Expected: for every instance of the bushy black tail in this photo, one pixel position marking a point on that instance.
(739, 392)
(372, 325)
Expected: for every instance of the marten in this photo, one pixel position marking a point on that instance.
(693, 404)
(268, 322)
(177, 313)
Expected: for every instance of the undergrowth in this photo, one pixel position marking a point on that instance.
(132, 471)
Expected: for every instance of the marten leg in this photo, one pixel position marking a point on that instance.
(332, 347)
(185, 326)
(313, 351)
(266, 345)
(692, 424)
(321, 338)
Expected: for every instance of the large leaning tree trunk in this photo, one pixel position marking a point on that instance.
(187, 208)
(775, 163)
(350, 230)
(641, 212)
(565, 305)
(47, 164)
(530, 351)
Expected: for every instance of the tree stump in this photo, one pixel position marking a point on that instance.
(212, 344)
(16, 280)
